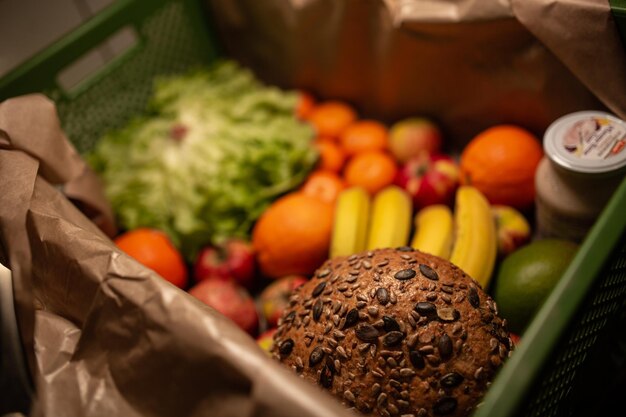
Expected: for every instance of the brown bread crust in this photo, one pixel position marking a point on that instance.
(356, 329)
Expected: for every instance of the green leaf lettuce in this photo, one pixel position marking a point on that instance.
(216, 149)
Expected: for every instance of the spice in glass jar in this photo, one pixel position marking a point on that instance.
(584, 162)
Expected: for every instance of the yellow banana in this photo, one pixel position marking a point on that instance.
(434, 230)
(391, 218)
(352, 212)
(475, 242)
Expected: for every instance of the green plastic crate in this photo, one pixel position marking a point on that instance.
(574, 345)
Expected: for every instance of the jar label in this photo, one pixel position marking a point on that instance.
(594, 138)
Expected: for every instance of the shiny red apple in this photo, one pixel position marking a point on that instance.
(429, 179)
(231, 300)
(234, 259)
(412, 136)
(274, 299)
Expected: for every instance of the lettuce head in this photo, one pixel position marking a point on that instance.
(215, 149)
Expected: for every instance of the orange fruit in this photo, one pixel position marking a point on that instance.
(330, 118)
(373, 170)
(293, 235)
(501, 162)
(332, 157)
(324, 185)
(304, 105)
(153, 249)
(364, 135)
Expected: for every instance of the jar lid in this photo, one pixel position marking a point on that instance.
(590, 142)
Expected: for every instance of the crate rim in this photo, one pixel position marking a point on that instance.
(514, 381)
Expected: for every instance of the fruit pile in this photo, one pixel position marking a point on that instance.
(377, 186)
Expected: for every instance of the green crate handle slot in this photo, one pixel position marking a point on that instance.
(95, 76)
(40, 72)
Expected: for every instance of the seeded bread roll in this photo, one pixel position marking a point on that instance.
(394, 332)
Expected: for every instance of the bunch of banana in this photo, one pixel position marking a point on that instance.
(466, 237)
(362, 224)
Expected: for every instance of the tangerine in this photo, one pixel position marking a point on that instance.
(304, 105)
(324, 185)
(501, 162)
(372, 170)
(332, 157)
(153, 249)
(293, 235)
(364, 135)
(330, 118)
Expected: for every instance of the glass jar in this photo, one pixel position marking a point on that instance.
(584, 162)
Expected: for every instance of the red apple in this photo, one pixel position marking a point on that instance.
(410, 137)
(266, 340)
(274, 299)
(231, 300)
(233, 259)
(512, 229)
(429, 179)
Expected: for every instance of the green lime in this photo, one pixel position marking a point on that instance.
(526, 278)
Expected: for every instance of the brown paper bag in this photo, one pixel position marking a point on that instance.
(468, 64)
(111, 338)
